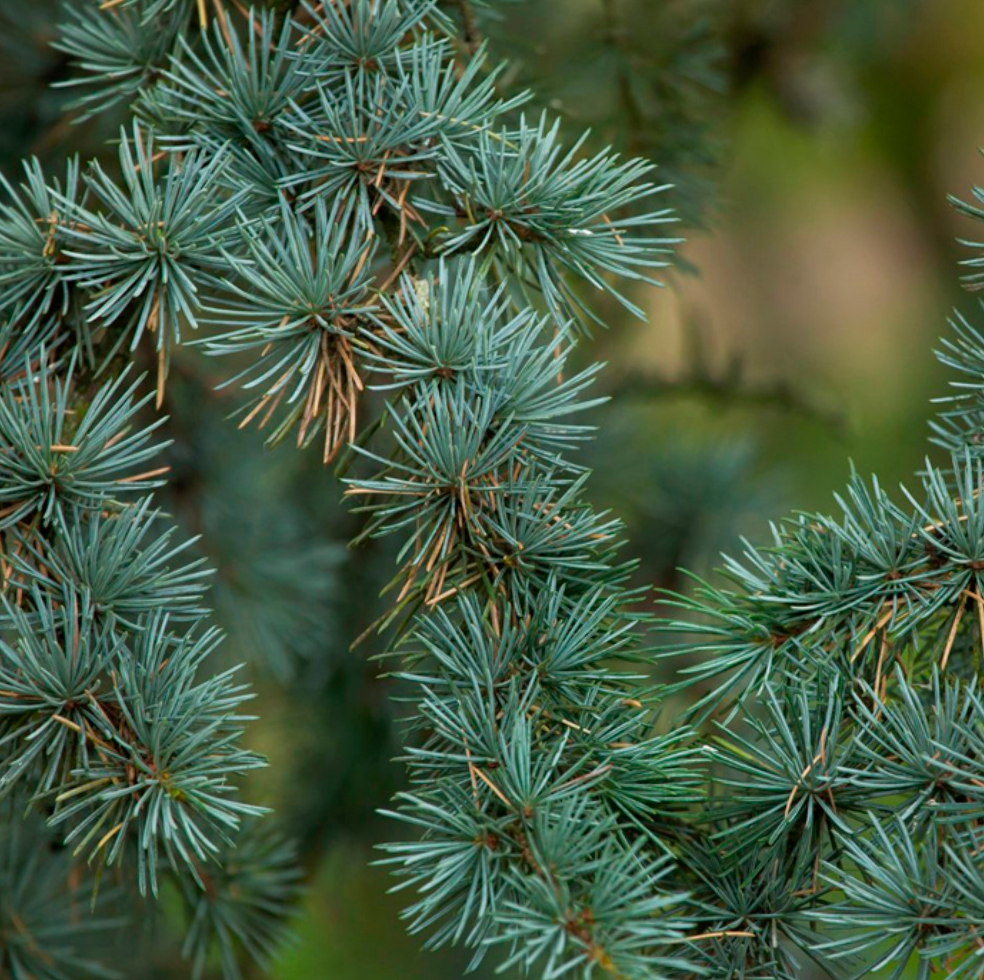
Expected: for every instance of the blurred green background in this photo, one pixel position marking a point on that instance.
(812, 145)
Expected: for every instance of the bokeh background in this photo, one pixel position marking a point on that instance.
(812, 145)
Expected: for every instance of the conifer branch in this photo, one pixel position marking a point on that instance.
(402, 266)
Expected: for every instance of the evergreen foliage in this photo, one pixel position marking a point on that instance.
(384, 253)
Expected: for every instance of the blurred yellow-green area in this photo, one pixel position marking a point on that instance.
(820, 286)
